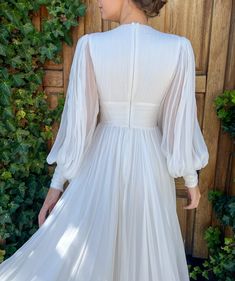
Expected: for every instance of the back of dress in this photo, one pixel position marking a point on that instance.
(137, 78)
(133, 64)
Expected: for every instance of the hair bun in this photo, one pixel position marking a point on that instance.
(150, 7)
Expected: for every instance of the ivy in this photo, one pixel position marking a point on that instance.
(225, 109)
(220, 265)
(26, 121)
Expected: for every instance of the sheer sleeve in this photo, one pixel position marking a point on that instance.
(79, 117)
(182, 141)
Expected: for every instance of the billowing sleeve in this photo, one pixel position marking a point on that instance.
(79, 117)
(182, 141)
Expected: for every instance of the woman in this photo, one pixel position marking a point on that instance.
(117, 220)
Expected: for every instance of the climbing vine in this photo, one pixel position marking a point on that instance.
(26, 120)
(225, 109)
(220, 265)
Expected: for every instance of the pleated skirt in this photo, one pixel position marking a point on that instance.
(115, 221)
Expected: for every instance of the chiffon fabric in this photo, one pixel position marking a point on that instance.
(128, 128)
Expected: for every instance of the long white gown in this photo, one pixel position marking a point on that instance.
(117, 219)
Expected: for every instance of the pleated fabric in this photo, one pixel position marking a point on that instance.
(79, 117)
(117, 219)
(109, 225)
(182, 142)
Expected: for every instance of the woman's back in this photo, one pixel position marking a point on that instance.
(133, 62)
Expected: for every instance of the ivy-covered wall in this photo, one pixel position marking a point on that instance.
(26, 119)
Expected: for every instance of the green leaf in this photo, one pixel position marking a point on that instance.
(18, 79)
(5, 88)
(27, 28)
(3, 50)
(81, 10)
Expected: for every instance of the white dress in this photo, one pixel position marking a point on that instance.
(117, 219)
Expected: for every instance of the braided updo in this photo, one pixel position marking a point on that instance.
(150, 7)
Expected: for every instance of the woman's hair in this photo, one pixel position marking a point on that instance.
(150, 7)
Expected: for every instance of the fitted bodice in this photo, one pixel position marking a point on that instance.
(130, 76)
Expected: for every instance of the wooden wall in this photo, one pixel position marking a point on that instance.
(210, 27)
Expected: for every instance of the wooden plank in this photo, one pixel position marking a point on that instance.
(36, 20)
(68, 51)
(230, 68)
(182, 216)
(200, 83)
(52, 100)
(189, 231)
(192, 19)
(225, 146)
(50, 65)
(53, 90)
(53, 78)
(93, 20)
(215, 80)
